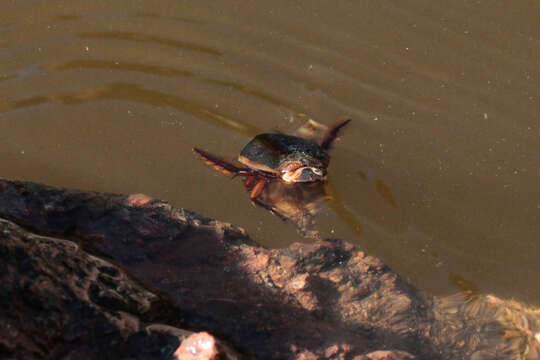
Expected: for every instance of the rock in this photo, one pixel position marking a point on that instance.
(86, 274)
(203, 346)
(386, 355)
(60, 302)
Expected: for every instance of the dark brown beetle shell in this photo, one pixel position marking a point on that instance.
(272, 152)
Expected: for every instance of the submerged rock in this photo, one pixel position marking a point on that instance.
(90, 275)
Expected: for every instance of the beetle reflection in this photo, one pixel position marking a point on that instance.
(298, 203)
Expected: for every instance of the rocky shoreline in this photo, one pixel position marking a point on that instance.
(88, 275)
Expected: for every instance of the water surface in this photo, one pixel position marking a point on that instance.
(437, 174)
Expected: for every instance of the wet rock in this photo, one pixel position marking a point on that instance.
(96, 270)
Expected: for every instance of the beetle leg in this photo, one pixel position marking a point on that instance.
(248, 182)
(332, 133)
(258, 188)
(271, 209)
(221, 165)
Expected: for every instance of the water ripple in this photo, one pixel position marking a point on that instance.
(150, 38)
(118, 65)
(138, 94)
(171, 72)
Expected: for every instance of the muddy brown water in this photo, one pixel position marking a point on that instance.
(438, 173)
